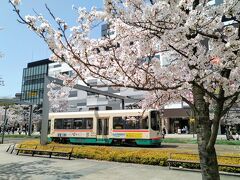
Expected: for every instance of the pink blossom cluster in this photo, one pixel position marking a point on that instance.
(201, 48)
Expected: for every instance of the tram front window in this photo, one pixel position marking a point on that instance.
(155, 118)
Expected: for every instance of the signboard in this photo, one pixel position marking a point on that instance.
(32, 94)
(129, 135)
(134, 135)
(192, 120)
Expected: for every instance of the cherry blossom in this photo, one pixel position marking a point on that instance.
(16, 2)
(199, 56)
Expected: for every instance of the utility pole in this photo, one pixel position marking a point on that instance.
(30, 120)
(5, 123)
(44, 125)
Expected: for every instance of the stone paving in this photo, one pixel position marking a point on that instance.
(24, 167)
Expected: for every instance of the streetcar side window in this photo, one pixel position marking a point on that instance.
(130, 122)
(77, 123)
(118, 123)
(58, 124)
(83, 123)
(67, 124)
(144, 123)
(63, 124)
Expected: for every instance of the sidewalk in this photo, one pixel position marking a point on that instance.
(39, 168)
(190, 136)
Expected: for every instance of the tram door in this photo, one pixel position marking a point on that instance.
(102, 126)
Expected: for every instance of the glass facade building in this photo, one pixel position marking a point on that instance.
(33, 81)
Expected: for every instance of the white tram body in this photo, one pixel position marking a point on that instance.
(133, 126)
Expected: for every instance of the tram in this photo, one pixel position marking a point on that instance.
(132, 126)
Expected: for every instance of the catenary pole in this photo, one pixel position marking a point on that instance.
(44, 125)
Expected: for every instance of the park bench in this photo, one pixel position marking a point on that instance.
(173, 160)
(11, 146)
(36, 149)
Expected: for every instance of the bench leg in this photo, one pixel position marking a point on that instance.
(50, 154)
(8, 148)
(12, 150)
(33, 153)
(17, 152)
(70, 156)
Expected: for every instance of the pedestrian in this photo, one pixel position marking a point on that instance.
(19, 131)
(186, 128)
(163, 132)
(237, 136)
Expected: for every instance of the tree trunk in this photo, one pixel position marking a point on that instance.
(207, 154)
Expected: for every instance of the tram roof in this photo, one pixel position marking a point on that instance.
(97, 113)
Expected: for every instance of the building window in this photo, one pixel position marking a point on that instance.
(91, 94)
(57, 65)
(82, 104)
(92, 82)
(73, 94)
(68, 73)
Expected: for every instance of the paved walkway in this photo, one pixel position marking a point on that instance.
(25, 167)
(190, 136)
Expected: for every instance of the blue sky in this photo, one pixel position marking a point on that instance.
(20, 45)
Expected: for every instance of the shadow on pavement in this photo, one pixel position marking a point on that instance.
(30, 169)
(169, 146)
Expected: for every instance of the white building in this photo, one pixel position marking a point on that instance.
(81, 101)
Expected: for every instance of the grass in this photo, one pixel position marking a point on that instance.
(20, 136)
(194, 141)
(227, 142)
(179, 140)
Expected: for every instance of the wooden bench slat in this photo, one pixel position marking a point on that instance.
(50, 152)
(183, 161)
(171, 160)
(229, 165)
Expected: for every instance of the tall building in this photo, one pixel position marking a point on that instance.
(33, 81)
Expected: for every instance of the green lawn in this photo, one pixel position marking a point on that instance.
(194, 141)
(19, 136)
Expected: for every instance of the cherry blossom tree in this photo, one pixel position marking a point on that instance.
(232, 121)
(18, 115)
(202, 52)
(58, 98)
(232, 118)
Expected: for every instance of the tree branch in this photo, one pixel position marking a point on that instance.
(190, 104)
(234, 99)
